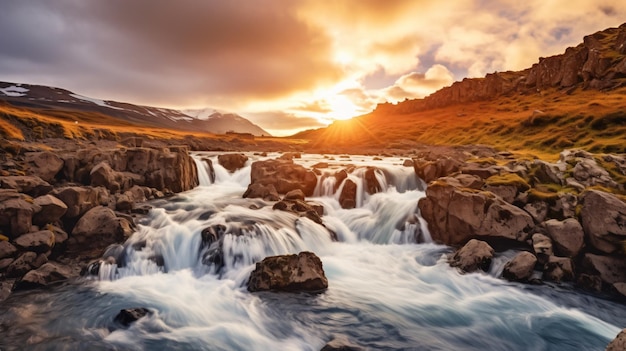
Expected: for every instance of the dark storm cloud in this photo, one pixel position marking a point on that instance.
(164, 51)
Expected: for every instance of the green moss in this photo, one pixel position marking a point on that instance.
(508, 179)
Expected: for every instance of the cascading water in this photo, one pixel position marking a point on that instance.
(389, 286)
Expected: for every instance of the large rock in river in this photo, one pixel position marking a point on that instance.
(284, 175)
(97, 229)
(619, 343)
(521, 267)
(45, 275)
(456, 215)
(232, 162)
(292, 273)
(475, 255)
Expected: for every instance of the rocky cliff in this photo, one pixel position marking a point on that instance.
(599, 62)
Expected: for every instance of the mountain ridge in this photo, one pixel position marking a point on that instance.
(55, 100)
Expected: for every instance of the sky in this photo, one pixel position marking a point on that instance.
(287, 65)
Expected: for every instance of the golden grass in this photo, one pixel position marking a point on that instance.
(544, 123)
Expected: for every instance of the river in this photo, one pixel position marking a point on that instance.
(390, 287)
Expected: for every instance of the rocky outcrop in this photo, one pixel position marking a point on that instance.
(97, 229)
(30, 185)
(619, 343)
(473, 256)
(283, 175)
(455, 215)
(603, 219)
(80, 199)
(45, 165)
(597, 63)
(347, 197)
(232, 162)
(16, 213)
(521, 267)
(128, 316)
(52, 209)
(45, 275)
(291, 273)
(567, 236)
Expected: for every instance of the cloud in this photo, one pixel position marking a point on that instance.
(281, 123)
(417, 85)
(156, 52)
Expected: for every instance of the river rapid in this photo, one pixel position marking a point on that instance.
(390, 287)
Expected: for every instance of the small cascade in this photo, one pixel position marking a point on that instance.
(204, 172)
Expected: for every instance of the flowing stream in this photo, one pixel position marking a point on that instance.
(390, 287)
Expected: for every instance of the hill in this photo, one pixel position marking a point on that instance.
(576, 99)
(61, 103)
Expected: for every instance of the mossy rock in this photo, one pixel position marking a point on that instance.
(508, 179)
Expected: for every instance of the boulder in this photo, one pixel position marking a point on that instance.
(312, 211)
(80, 199)
(296, 194)
(559, 269)
(589, 173)
(284, 175)
(619, 343)
(31, 185)
(128, 316)
(429, 170)
(232, 162)
(542, 245)
(521, 267)
(212, 234)
(291, 273)
(17, 214)
(538, 210)
(610, 269)
(567, 236)
(39, 242)
(103, 175)
(45, 275)
(455, 215)
(24, 263)
(52, 209)
(603, 217)
(372, 186)
(475, 255)
(7, 249)
(44, 164)
(97, 229)
(347, 198)
(266, 192)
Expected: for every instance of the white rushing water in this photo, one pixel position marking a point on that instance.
(389, 286)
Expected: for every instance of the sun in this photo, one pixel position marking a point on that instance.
(341, 107)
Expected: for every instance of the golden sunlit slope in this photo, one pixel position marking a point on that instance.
(28, 124)
(577, 99)
(549, 121)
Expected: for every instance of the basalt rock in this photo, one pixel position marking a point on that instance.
(429, 170)
(347, 198)
(567, 236)
(45, 164)
(52, 209)
(521, 267)
(45, 275)
(603, 218)
(456, 215)
(128, 316)
(291, 273)
(475, 255)
(16, 213)
(284, 175)
(97, 229)
(80, 199)
(31, 185)
(38, 242)
(232, 162)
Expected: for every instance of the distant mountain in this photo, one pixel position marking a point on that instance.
(56, 100)
(221, 123)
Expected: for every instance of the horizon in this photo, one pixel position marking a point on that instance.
(285, 66)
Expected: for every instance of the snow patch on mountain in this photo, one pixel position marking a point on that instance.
(95, 101)
(14, 91)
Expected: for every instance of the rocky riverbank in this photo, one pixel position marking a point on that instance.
(61, 207)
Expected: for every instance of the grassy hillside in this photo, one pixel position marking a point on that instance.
(543, 122)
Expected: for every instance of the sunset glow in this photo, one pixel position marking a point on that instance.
(285, 65)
